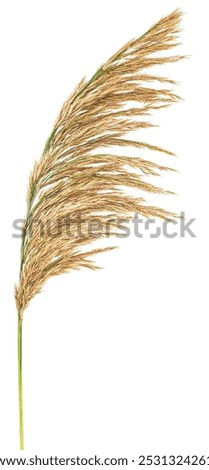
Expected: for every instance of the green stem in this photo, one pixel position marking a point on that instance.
(20, 384)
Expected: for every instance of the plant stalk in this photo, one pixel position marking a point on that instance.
(20, 382)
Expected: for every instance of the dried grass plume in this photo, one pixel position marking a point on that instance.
(80, 172)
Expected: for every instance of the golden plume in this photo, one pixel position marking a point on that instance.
(80, 173)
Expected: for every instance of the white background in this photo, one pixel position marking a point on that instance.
(116, 361)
